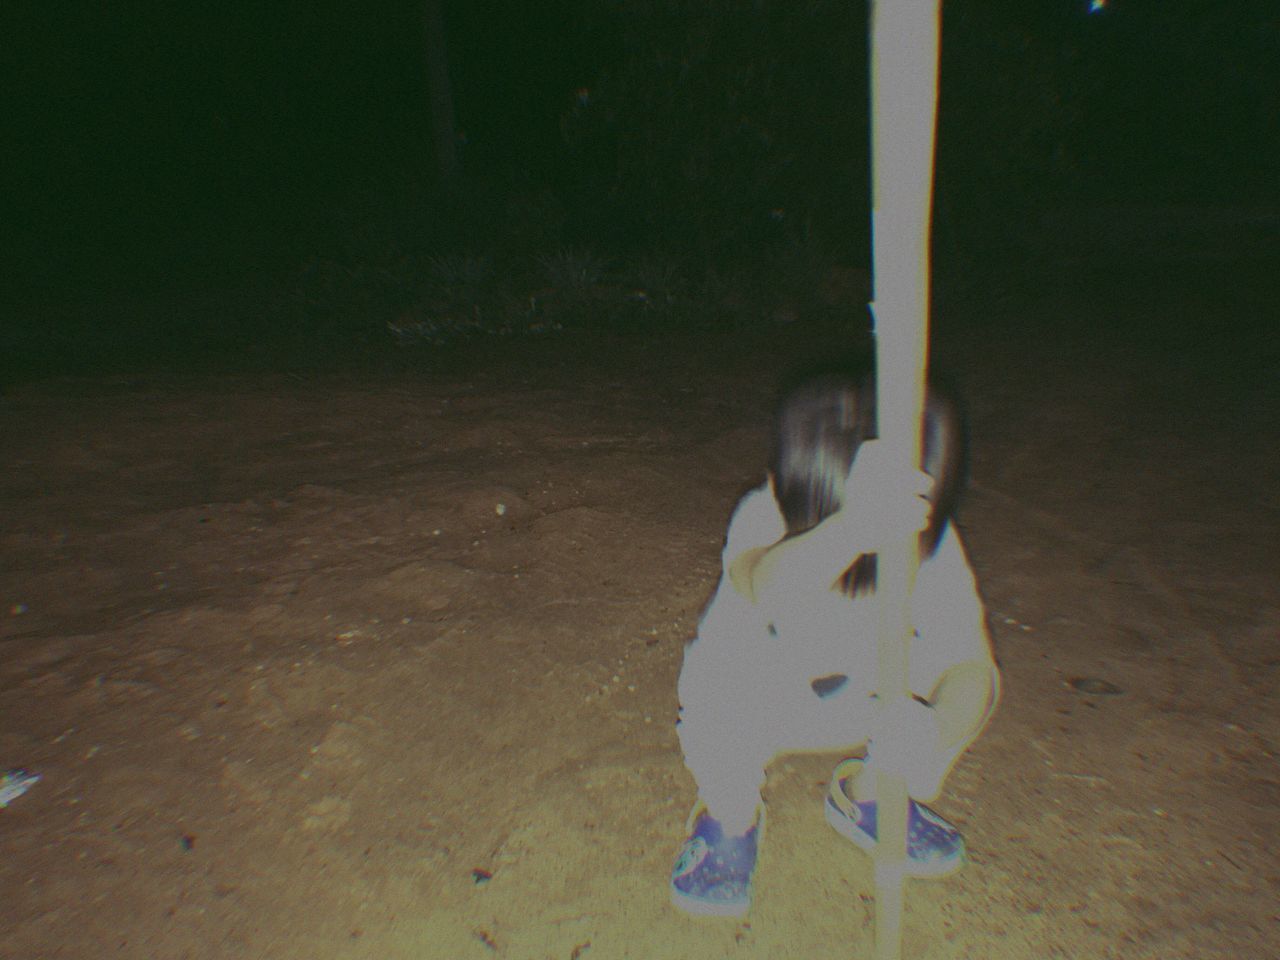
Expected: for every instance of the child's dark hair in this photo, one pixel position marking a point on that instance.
(824, 416)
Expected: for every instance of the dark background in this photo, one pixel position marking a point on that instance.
(241, 146)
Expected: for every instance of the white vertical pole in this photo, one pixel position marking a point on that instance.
(904, 74)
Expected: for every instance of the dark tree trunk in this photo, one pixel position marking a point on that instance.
(440, 93)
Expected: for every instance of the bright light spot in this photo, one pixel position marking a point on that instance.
(1097, 6)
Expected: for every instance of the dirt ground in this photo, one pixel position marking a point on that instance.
(385, 666)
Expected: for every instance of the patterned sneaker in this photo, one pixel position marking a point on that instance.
(934, 847)
(712, 875)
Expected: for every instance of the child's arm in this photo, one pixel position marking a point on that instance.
(955, 670)
(794, 566)
(877, 506)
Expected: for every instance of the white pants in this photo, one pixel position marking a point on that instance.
(739, 711)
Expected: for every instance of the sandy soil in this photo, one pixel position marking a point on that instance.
(385, 666)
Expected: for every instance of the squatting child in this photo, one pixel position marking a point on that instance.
(785, 657)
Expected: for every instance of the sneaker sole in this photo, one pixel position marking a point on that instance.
(709, 908)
